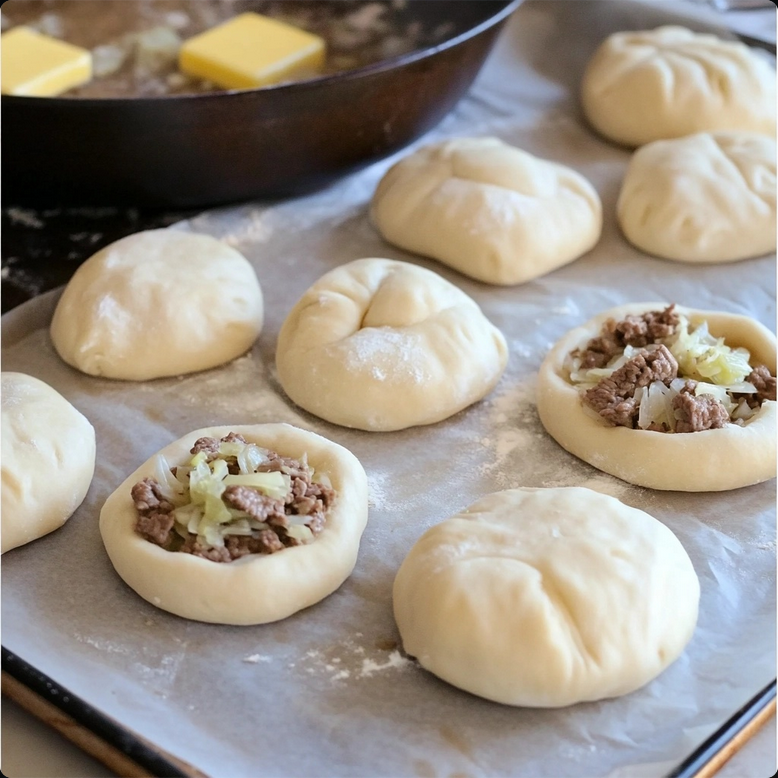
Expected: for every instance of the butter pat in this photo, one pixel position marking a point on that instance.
(251, 51)
(40, 66)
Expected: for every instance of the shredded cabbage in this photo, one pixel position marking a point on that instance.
(702, 357)
(196, 490)
(656, 406)
(274, 485)
(169, 486)
(720, 372)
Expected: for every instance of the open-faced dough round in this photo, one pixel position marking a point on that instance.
(383, 345)
(257, 588)
(703, 198)
(547, 597)
(708, 461)
(665, 83)
(158, 303)
(487, 209)
(48, 459)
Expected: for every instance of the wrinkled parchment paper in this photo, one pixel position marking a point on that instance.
(327, 691)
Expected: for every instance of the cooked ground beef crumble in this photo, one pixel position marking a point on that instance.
(156, 520)
(614, 397)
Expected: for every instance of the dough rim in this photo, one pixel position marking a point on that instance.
(707, 461)
(296, 577)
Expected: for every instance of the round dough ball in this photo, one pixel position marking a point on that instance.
(703, 198)
(547, 597)
(668, 82)
(158, 303)
(708, 461)
(487, 209)
(48, 459)
(383, 345)
(257, 588)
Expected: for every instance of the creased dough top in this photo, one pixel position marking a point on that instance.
(669, 82)
(547, 597)
(703, 198)
(487, 209)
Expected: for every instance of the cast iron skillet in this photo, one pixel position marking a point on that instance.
(199, 150)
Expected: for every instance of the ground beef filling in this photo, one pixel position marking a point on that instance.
(613, 398)
(634, 330)
(306, 498)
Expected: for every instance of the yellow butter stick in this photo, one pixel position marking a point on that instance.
(39, 66)
(251, 51)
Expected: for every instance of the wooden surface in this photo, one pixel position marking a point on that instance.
(730, 749)
(87, 741)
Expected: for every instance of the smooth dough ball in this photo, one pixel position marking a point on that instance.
(547, 597)
(487, 209)
(48, 459)
(707, 461)
(257, 588)
(158, 303)
(383, 345)
(668, 82)
(703, 198)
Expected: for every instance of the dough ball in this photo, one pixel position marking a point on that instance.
(48, 459)
(383, 345)
(703, 198)
(547, 597)
(158, 303)
(256, 588)
(710, 460)
(668, 82)
(487, 209)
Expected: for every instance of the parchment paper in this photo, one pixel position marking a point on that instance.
(327, 691)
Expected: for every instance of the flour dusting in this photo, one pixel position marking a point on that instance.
(352, 659)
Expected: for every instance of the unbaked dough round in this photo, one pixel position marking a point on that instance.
(487, 209)
(255, 589)
(383, 345)
(669, 82)
(158, 303)
(708, 461)
(547, 597)
(48, 459)
(703, 198)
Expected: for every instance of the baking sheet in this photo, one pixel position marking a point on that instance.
(328, 691)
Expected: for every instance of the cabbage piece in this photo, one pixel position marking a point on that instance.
(169, 486)
(720, 393)
(199, 458)
(593, 376)
(300, 532)
(274, 485)
(204, 483)
(250, 458)
(212, 536)
(321, 478)
(704, 358)
(743, 411)
(230, 449)
(239, 527)
(188, 516)
(656, 406)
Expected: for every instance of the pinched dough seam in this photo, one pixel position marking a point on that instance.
(316, 346)
(552, 593)
(739, 174)
(657, 50)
